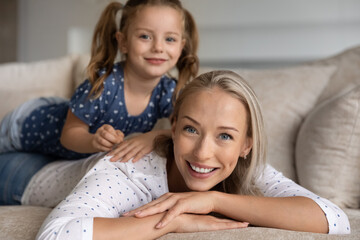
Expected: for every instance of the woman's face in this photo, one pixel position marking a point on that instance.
(209, 135)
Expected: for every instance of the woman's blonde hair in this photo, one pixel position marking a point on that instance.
(104, 47)
(242, 179)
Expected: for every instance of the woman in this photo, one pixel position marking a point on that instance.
(213, 162)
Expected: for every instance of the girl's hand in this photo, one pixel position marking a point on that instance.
(135, 147)
(176, 204)
(106, 137)
(203, 223)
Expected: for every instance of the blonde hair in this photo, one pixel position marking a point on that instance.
(242, 179)
(104, 46)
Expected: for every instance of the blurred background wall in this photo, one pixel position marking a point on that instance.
(242, 33)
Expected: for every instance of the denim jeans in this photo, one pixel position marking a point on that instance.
(16, 170)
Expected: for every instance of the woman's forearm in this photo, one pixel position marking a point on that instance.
(130, 228)
(292, 213)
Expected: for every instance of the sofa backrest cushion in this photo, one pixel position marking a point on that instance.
(287, 95)
(24, 81)
(328, 150)
(347, 74)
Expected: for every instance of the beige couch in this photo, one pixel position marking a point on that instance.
(312, 115)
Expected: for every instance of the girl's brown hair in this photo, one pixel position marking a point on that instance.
(104, 46)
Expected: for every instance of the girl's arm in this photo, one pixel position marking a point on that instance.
(136, 147)
(75, 136)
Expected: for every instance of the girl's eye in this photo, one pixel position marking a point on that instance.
(144, 36)
(225, 136)
(190, 129)
(170, 39)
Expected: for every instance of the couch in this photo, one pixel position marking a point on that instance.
(312, 117)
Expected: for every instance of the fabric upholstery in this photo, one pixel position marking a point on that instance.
(285, 108)
(286, 96)
(328, 150)
(23, 81)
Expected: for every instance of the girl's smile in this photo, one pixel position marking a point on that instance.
(155, 61)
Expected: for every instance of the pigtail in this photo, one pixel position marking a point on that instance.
(104, 48)
(188, 63)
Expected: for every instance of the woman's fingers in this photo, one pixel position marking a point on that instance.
(223, 224)
(175, 204)
(204, 223)
(170, 215)
(151, 208)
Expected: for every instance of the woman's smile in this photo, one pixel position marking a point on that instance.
(199, 171)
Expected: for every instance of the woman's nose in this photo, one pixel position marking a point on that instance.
(203, 149)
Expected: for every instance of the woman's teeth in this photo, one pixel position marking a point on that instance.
(201, 170)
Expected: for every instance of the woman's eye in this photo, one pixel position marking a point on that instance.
(170, 39)
(225, 136)
(144, 36)
(190, 129)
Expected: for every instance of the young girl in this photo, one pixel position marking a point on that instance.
(118, 98)
(214, 161)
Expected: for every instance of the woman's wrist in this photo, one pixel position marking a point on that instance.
(217, 200)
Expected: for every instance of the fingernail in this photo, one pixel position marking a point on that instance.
(138, 213)
(125, 214)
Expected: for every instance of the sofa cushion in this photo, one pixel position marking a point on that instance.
(79, 73)
(23, 81)
(23, 222)
(347, 73)
(328, 150)
(287, 96)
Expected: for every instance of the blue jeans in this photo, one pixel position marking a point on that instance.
(16, 170)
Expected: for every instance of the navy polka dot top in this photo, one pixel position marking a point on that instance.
(41, 130)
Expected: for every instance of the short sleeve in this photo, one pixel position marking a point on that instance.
(165, 97)
(82, 106)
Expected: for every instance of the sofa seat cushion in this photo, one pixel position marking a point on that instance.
(23, 222)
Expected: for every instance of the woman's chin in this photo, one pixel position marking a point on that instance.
(198, 187)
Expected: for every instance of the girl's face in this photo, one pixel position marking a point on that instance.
(153, 42)
(209, 135)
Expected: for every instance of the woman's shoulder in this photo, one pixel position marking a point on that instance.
(147, 174)
(149, 164)
(269, 176)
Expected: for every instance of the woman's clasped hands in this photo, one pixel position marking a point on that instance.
(191, 207)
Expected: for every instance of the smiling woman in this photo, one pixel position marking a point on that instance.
(214, 161)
